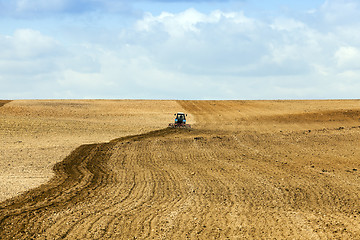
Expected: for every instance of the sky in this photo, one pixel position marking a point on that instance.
(179, 49)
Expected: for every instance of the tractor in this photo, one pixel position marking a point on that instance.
(180, 121)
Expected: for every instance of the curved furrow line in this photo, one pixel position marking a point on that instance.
(147, 167)
(134, 203)
(107, 206)
(169, 205)
(159, 198)
(99, 210)
(3, 102)
(194, 202)
(72, 215)
(224, 182)
(163, 223)
(160, 188)
(86, 223)
(33, 204)
(222, 202)
(66, 177)
(198, 184)
(76, 180)
(184, 213)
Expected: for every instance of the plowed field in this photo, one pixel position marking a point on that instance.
(247, 170)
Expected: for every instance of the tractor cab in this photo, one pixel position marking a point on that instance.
(180, 121)
(180, 117)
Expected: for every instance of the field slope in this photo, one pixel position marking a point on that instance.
(3, 102)
(247, 170)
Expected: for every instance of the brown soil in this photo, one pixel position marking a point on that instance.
(3, 102)
(37, 134)
(247, 170)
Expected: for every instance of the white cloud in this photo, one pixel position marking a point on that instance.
(282, 54)
(348, 58)
(28, 63)
(27, 44)
(31, 62)
(227, 44)
(174, 24)
(191, 20)
(192, 54)
(339, 12)
(287, 24)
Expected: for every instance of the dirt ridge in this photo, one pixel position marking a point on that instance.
(81, 171)
(3, 102)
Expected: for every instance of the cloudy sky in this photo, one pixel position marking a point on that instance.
(180, 49)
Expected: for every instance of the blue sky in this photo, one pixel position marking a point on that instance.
(159, 49)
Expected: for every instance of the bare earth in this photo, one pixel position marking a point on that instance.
(37, 134)
(247, 170)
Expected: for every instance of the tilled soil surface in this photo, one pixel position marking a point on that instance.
(247, 170)
(36, 134)
(3, 102)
